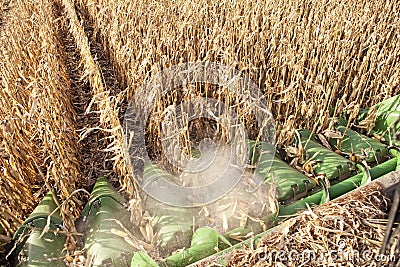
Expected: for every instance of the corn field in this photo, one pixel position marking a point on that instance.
(69, 69)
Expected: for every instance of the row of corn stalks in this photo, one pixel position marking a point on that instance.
(311, 59)
(307, 57)
(39, 145)
(105, 104)
(342, 53)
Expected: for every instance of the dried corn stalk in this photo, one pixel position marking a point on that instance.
(39, 142)
(304, 55)
(346, 232)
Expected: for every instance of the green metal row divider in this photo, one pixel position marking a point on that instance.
(107, 233)
(340, 188)
(109, 243)
(384, 120)
(335, 191)
(40, 240)
(105, 236)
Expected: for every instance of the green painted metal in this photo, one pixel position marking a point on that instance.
(384, 125)
(219, 258)
(385, 121)
(354, 142)
(151, 173)
(40, 240)
(107, 236)
(109, 243)
(330, 163)
(339, 188)
(388, 112)
(173, 224)
(46, 207)
(141, 259)
(291, 184)
(327, 162)
(174, 227)
(390, 104)
(336, 190)
(205, 242)
(102, 188)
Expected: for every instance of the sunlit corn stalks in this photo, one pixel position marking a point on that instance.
(294, 88)
(311, 59)
(187, 135)
(39, 143)
(107, 106)
(309, 65)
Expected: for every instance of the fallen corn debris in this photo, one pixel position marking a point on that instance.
(346, 232)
